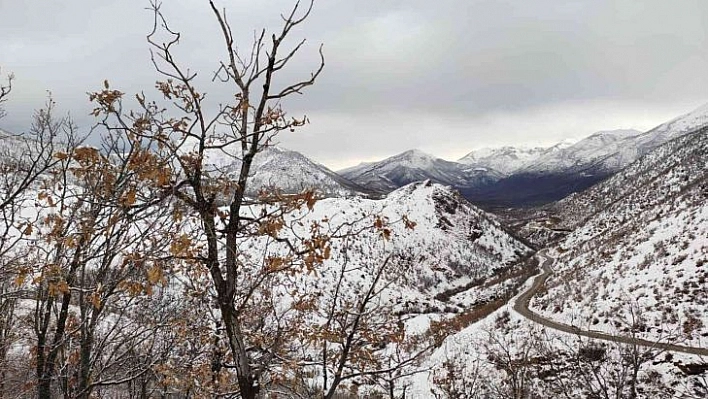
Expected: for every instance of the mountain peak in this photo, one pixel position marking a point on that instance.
(416, 165)
(414, 158)
(289, 171)
(415, 153)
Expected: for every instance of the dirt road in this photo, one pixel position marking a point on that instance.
(521, 306)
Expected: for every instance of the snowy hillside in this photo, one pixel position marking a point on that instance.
(452, 242)
(683, 124)
(415, 165)
(508, 356)
(608, 150)
(456, 259)
(635, 266)
(639, 248)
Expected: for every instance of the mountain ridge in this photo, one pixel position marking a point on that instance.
(415, 165)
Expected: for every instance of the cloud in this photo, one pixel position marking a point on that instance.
(446, 76)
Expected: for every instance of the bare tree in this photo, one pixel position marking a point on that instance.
(239, 129)
(456, 379)
(93, 261)
(518, 359)
(360, 337)
(25, 160)
(5, 89)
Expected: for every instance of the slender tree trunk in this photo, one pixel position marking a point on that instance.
(6, 323)
(46, 374)
(85, 364)
(247, 380)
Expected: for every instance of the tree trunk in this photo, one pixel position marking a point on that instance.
(85, 364)
(247, 380)
(47, 364)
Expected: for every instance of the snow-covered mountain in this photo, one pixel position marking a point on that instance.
(606, 151)
(415, 165)
(683, 124)
(610, 151)
(570, 169)
(505, 160)
(452, 241)
(290, 172)
(639, 248)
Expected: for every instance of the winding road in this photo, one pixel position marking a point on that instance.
(521, 306)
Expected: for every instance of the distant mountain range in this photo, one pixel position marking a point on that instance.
(507, 160)
(491, 177)
(519, 177)
(560, 170)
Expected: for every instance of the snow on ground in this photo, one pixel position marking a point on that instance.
(656, 275)
(478, 353)
(452, 244)
(639, 253)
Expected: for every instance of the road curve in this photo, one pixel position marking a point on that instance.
(521, 306)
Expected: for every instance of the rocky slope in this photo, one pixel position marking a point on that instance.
(452, 242)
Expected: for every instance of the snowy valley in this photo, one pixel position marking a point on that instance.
(186, 218)
(463, 307)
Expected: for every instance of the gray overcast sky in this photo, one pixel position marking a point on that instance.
(443, 76)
